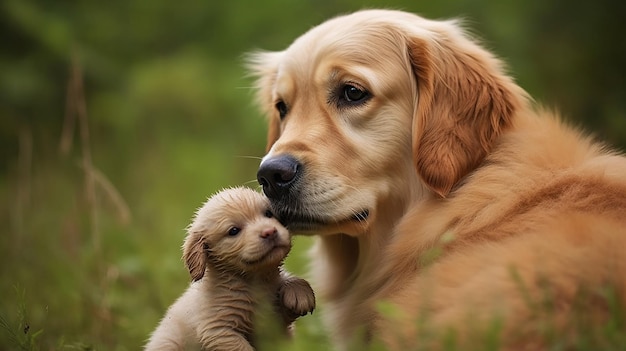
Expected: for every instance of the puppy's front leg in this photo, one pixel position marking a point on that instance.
(225, 339)
(227, 325)
(295, 297)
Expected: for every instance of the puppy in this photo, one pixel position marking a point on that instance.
(234, 251)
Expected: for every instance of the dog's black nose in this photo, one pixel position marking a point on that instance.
(277, 174)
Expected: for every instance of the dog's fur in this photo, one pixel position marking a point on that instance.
(442, 190)
(233, 250)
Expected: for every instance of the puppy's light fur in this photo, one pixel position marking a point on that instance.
(233, 250)
(468, 199)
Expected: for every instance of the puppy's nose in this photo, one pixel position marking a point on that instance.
(268, 233)
(277, 174)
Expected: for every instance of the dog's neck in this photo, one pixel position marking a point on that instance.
(349, 260)
(349, 257)
(346, 268)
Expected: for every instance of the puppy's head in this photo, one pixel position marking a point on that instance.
(235, 231)
(366, 108)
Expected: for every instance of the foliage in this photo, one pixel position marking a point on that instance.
(119, 118)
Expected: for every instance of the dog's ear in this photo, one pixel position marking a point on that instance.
(263, 66)
(465, 101)
(195, 254)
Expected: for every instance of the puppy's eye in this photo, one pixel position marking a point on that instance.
(353, 94)
(281, 107)
(269, 214)
(233, 231)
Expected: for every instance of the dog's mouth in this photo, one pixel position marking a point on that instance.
(361, 216)
(308, 222)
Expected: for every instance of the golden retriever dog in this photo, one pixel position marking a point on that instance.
(446, 202)
(233, 250)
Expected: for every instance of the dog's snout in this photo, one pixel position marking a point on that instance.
(277, 174)
(268, 233)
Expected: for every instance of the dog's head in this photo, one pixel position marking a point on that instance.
(235, 231)
(366, 108)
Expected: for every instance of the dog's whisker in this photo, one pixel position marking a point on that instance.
(250, 157)
(251, 182)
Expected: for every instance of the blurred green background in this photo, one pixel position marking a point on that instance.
(118, 118)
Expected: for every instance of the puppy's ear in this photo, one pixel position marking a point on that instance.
(263, 66)
(465, 101)
(195, 255)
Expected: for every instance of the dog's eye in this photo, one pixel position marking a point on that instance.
(281, 107)
(234, 231)
(269, 214)
(354, 94)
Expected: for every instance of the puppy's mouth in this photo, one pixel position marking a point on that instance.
(273, 254)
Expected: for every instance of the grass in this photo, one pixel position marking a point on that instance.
(18, 332)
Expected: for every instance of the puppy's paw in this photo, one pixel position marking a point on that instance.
(297, 296)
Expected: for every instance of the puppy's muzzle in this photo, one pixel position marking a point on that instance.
(277, 175)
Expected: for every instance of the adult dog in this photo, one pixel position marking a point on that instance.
(437, 187)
